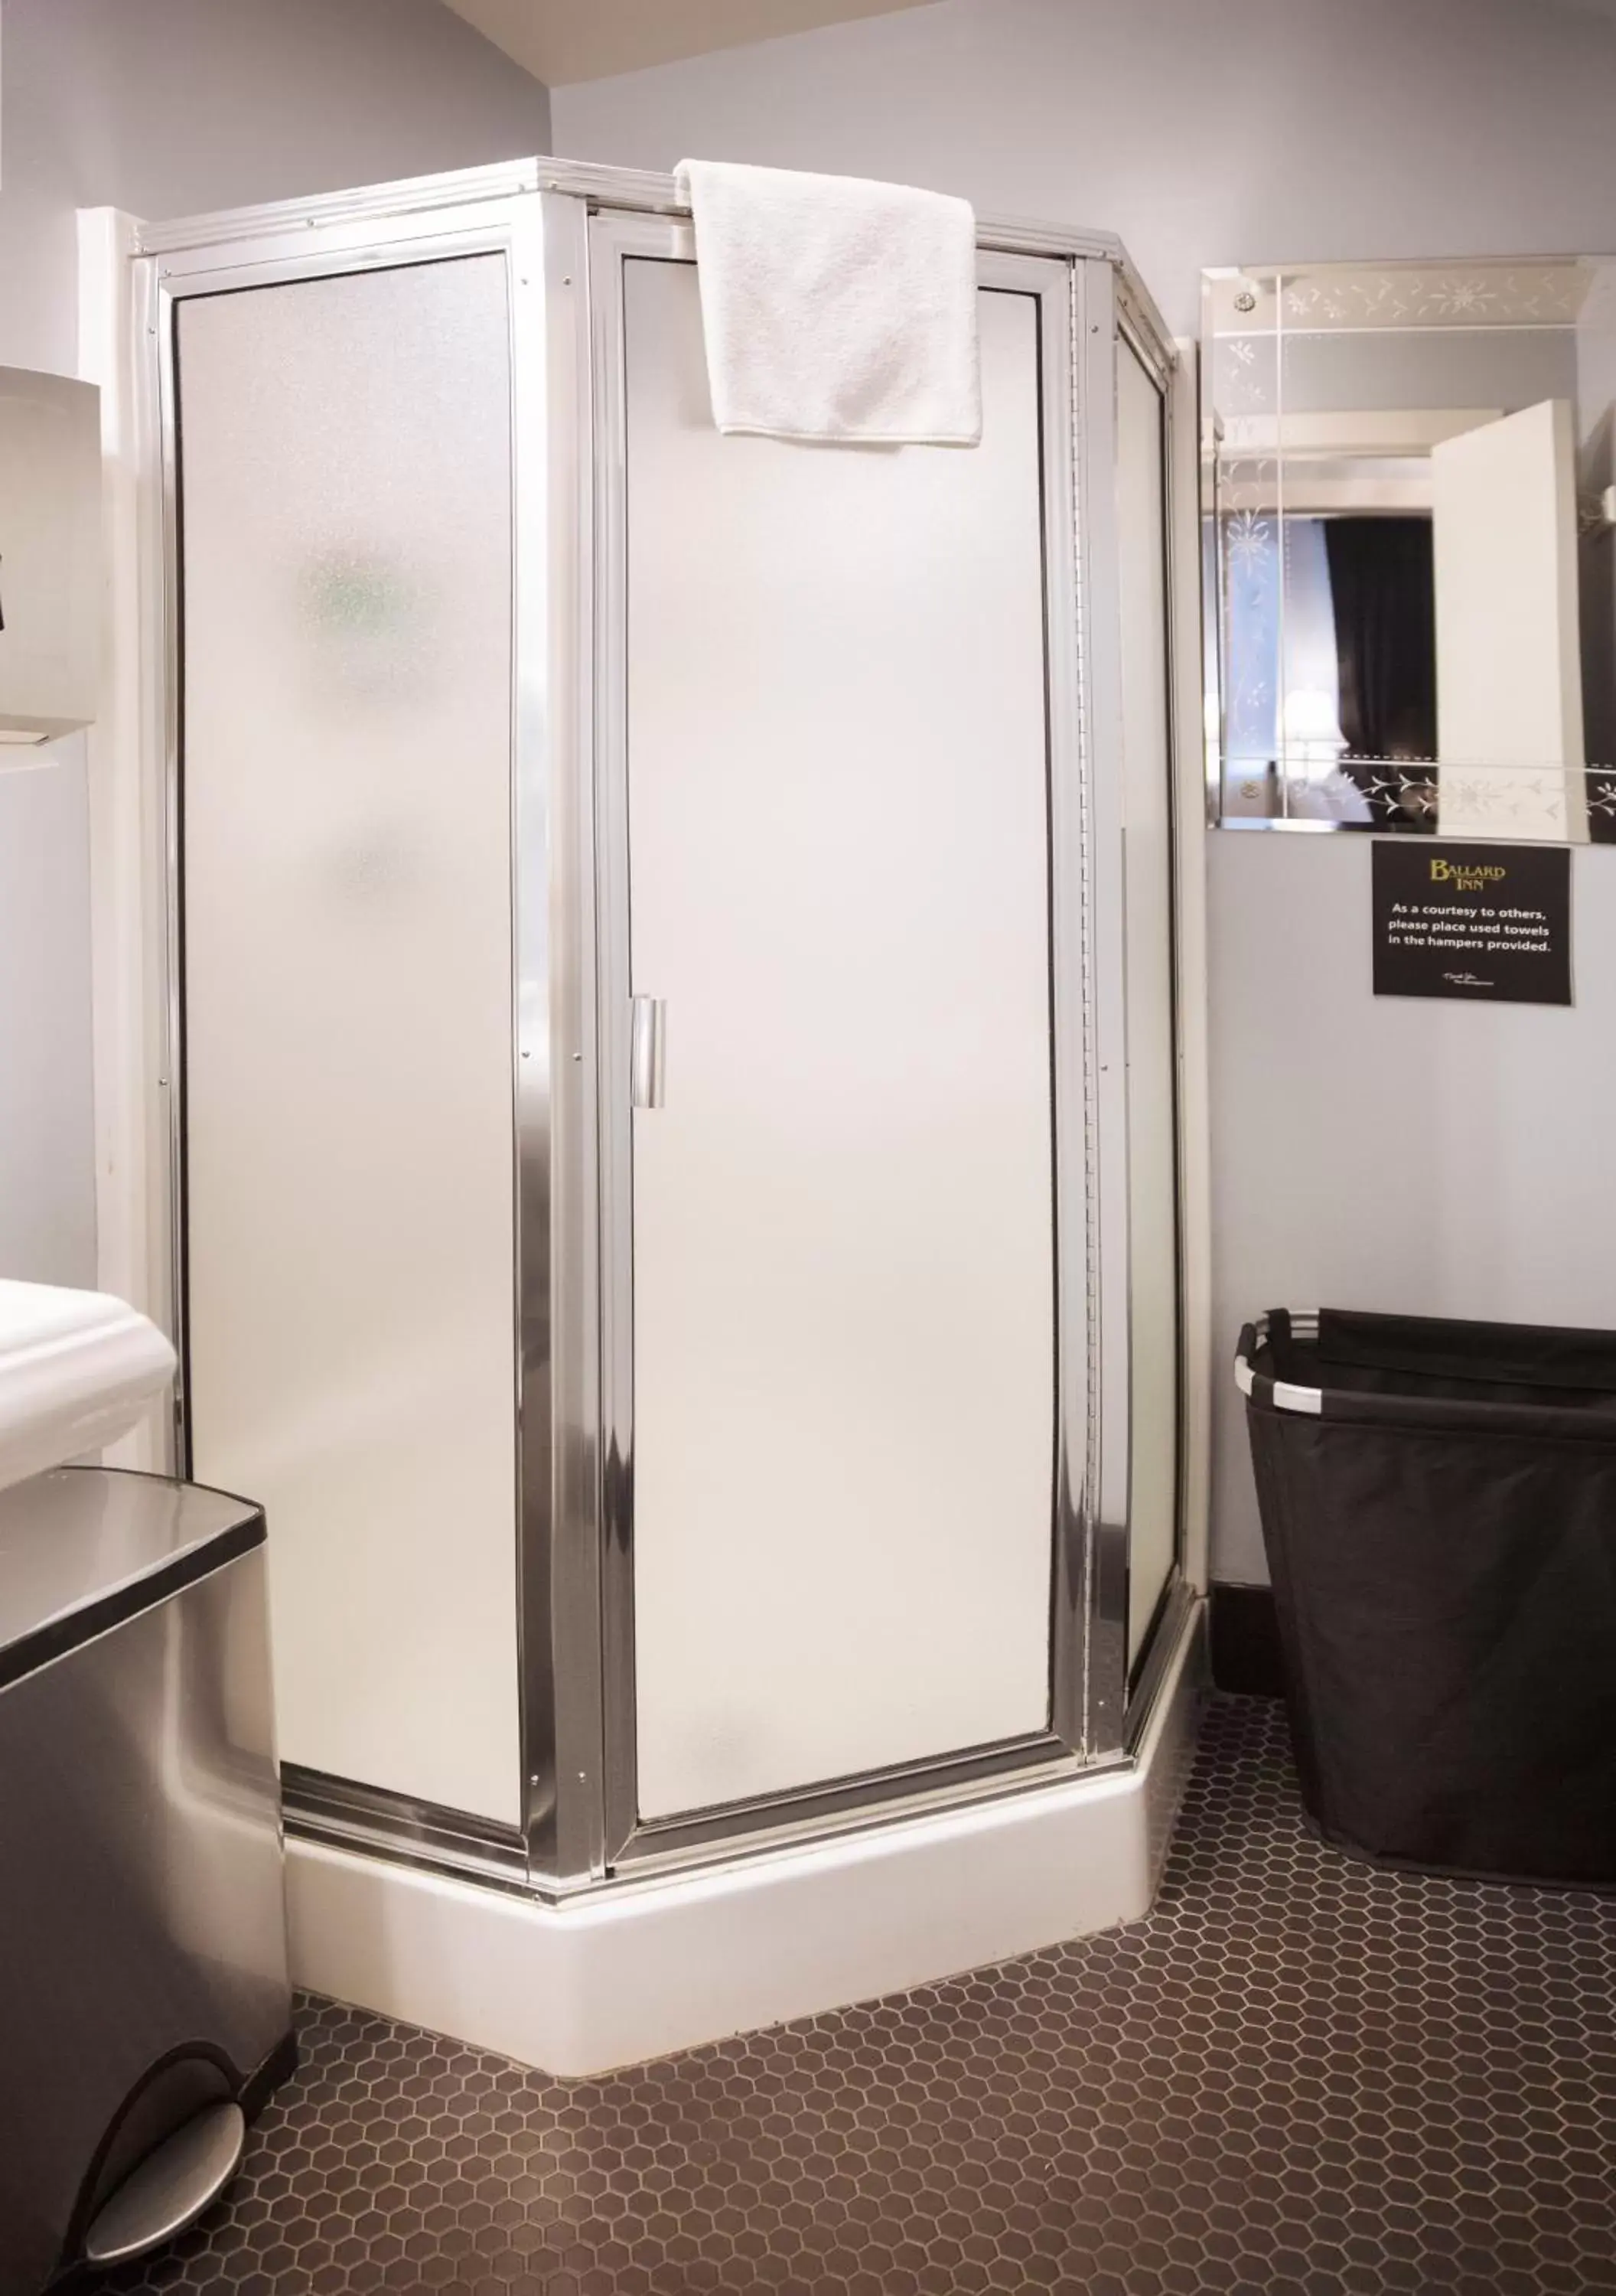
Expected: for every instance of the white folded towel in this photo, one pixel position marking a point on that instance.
(836, 308)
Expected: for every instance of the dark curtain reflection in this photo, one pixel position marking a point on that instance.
(1597, 591)
(1383, 588)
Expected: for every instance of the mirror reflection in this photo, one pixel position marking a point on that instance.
(1409, 523)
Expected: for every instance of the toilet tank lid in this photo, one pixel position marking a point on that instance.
(83, 1550)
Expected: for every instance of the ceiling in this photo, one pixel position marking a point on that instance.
(559, 41)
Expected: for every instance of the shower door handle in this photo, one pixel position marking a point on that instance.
(647, 1051)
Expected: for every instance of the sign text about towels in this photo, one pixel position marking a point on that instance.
(1479, 922)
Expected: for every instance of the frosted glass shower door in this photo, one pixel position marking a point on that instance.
(843, 1248)
(345, 554)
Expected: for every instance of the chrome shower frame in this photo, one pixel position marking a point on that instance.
(563, 231)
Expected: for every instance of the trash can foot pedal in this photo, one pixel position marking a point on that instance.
(170, 2188)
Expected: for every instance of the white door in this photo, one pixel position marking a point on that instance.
(1508, 668)
(842, 1216)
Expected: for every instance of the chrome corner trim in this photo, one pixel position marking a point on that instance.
(1071, 995)
(162, 642)
(1191, 1147)
(613, 238)
(852, 1804)
(1180, 1620)
(1031, 235)
(1144, 328)
(1106, 1478)
(345, 1814)
(410, 197)
(556, 1058)
(634, 191)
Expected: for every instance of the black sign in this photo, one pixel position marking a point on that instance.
(1489, 922)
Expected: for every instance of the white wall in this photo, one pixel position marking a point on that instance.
(1404, 1155)
(173, 107)
(47, 1190)
(1437, 1158)
(168, 108)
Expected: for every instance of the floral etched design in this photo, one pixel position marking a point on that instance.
(1541, 294)
(1248, 540)
(1245, 382)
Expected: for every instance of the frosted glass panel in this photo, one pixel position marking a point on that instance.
(347, 559)
(1152, 1155)
(844, 1363)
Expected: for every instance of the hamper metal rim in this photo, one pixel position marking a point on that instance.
(1285, 1396)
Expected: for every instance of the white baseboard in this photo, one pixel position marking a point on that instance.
(649, 1968)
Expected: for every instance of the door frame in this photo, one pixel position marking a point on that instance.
(1058, 286)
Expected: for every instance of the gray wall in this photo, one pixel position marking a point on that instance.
(1415, 1156)
(1432, 1157)
(170, 108)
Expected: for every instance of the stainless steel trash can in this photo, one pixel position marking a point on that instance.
(145, 2011)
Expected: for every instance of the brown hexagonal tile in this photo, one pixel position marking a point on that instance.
(1298, 2074)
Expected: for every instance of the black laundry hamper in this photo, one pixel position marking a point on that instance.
(1438, 1507)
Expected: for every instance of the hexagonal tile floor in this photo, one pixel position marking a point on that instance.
(1298, 2073)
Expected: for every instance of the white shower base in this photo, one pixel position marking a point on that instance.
(650, 1967)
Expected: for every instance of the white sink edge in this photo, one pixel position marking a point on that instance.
(76, 1368)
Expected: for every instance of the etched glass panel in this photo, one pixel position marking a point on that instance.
(1408, 488)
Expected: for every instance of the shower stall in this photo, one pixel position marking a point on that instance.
(669, 1017)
